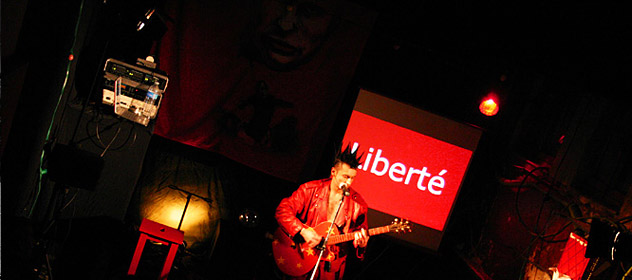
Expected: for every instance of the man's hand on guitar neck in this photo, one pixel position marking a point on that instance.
(312, 238)
(360, 238)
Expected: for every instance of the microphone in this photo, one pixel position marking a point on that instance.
(345, 189)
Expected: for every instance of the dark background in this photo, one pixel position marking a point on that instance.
(561, 70)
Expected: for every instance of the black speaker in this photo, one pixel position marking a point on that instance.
(70, 166)
(99, 155)
(608, 242)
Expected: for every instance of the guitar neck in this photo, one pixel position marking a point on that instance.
(350, 236)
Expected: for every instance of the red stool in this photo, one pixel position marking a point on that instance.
(158, 233)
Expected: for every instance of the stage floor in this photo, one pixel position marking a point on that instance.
(102, 248)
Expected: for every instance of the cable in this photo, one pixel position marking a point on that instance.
(535, 233)
(537, 220)
(49, 267)
(42, 170)
(388, 246)
(70, 201)
(524, 180)
(625, 220)
(627, 274)
(99, 142)
(118, 130)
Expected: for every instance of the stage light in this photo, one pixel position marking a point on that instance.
(141, 23)
(489, 106)
(176, 209)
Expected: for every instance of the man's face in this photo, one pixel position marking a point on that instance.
(291, 31)
(343, 173)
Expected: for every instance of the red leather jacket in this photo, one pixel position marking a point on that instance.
(307, 207)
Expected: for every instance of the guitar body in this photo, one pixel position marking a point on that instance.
(296, 259)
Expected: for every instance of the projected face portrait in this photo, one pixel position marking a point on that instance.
(291, 31)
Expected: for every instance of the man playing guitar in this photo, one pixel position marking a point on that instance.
(305, 217)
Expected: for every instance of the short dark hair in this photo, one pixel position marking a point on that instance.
(349, 157)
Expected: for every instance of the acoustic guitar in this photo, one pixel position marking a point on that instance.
(296, 259)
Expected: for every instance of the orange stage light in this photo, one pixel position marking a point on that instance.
(489, 106)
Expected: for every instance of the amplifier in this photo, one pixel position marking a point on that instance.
(127, 88)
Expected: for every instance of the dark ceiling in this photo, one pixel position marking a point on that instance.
(571, 42)
(507, 29)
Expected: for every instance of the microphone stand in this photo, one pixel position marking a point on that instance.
(324, 243)
(186, 205)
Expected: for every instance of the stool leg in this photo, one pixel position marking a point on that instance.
(173, 249)
(139, 251)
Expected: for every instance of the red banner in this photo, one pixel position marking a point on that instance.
(405, 173)
(260, 83)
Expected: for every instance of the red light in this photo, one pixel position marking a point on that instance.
(573, 262)
(489, 107)
(71, 57)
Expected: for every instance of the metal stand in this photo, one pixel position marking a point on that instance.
(189, 195)
(324, 243)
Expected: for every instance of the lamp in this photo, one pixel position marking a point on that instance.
(489, 105)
